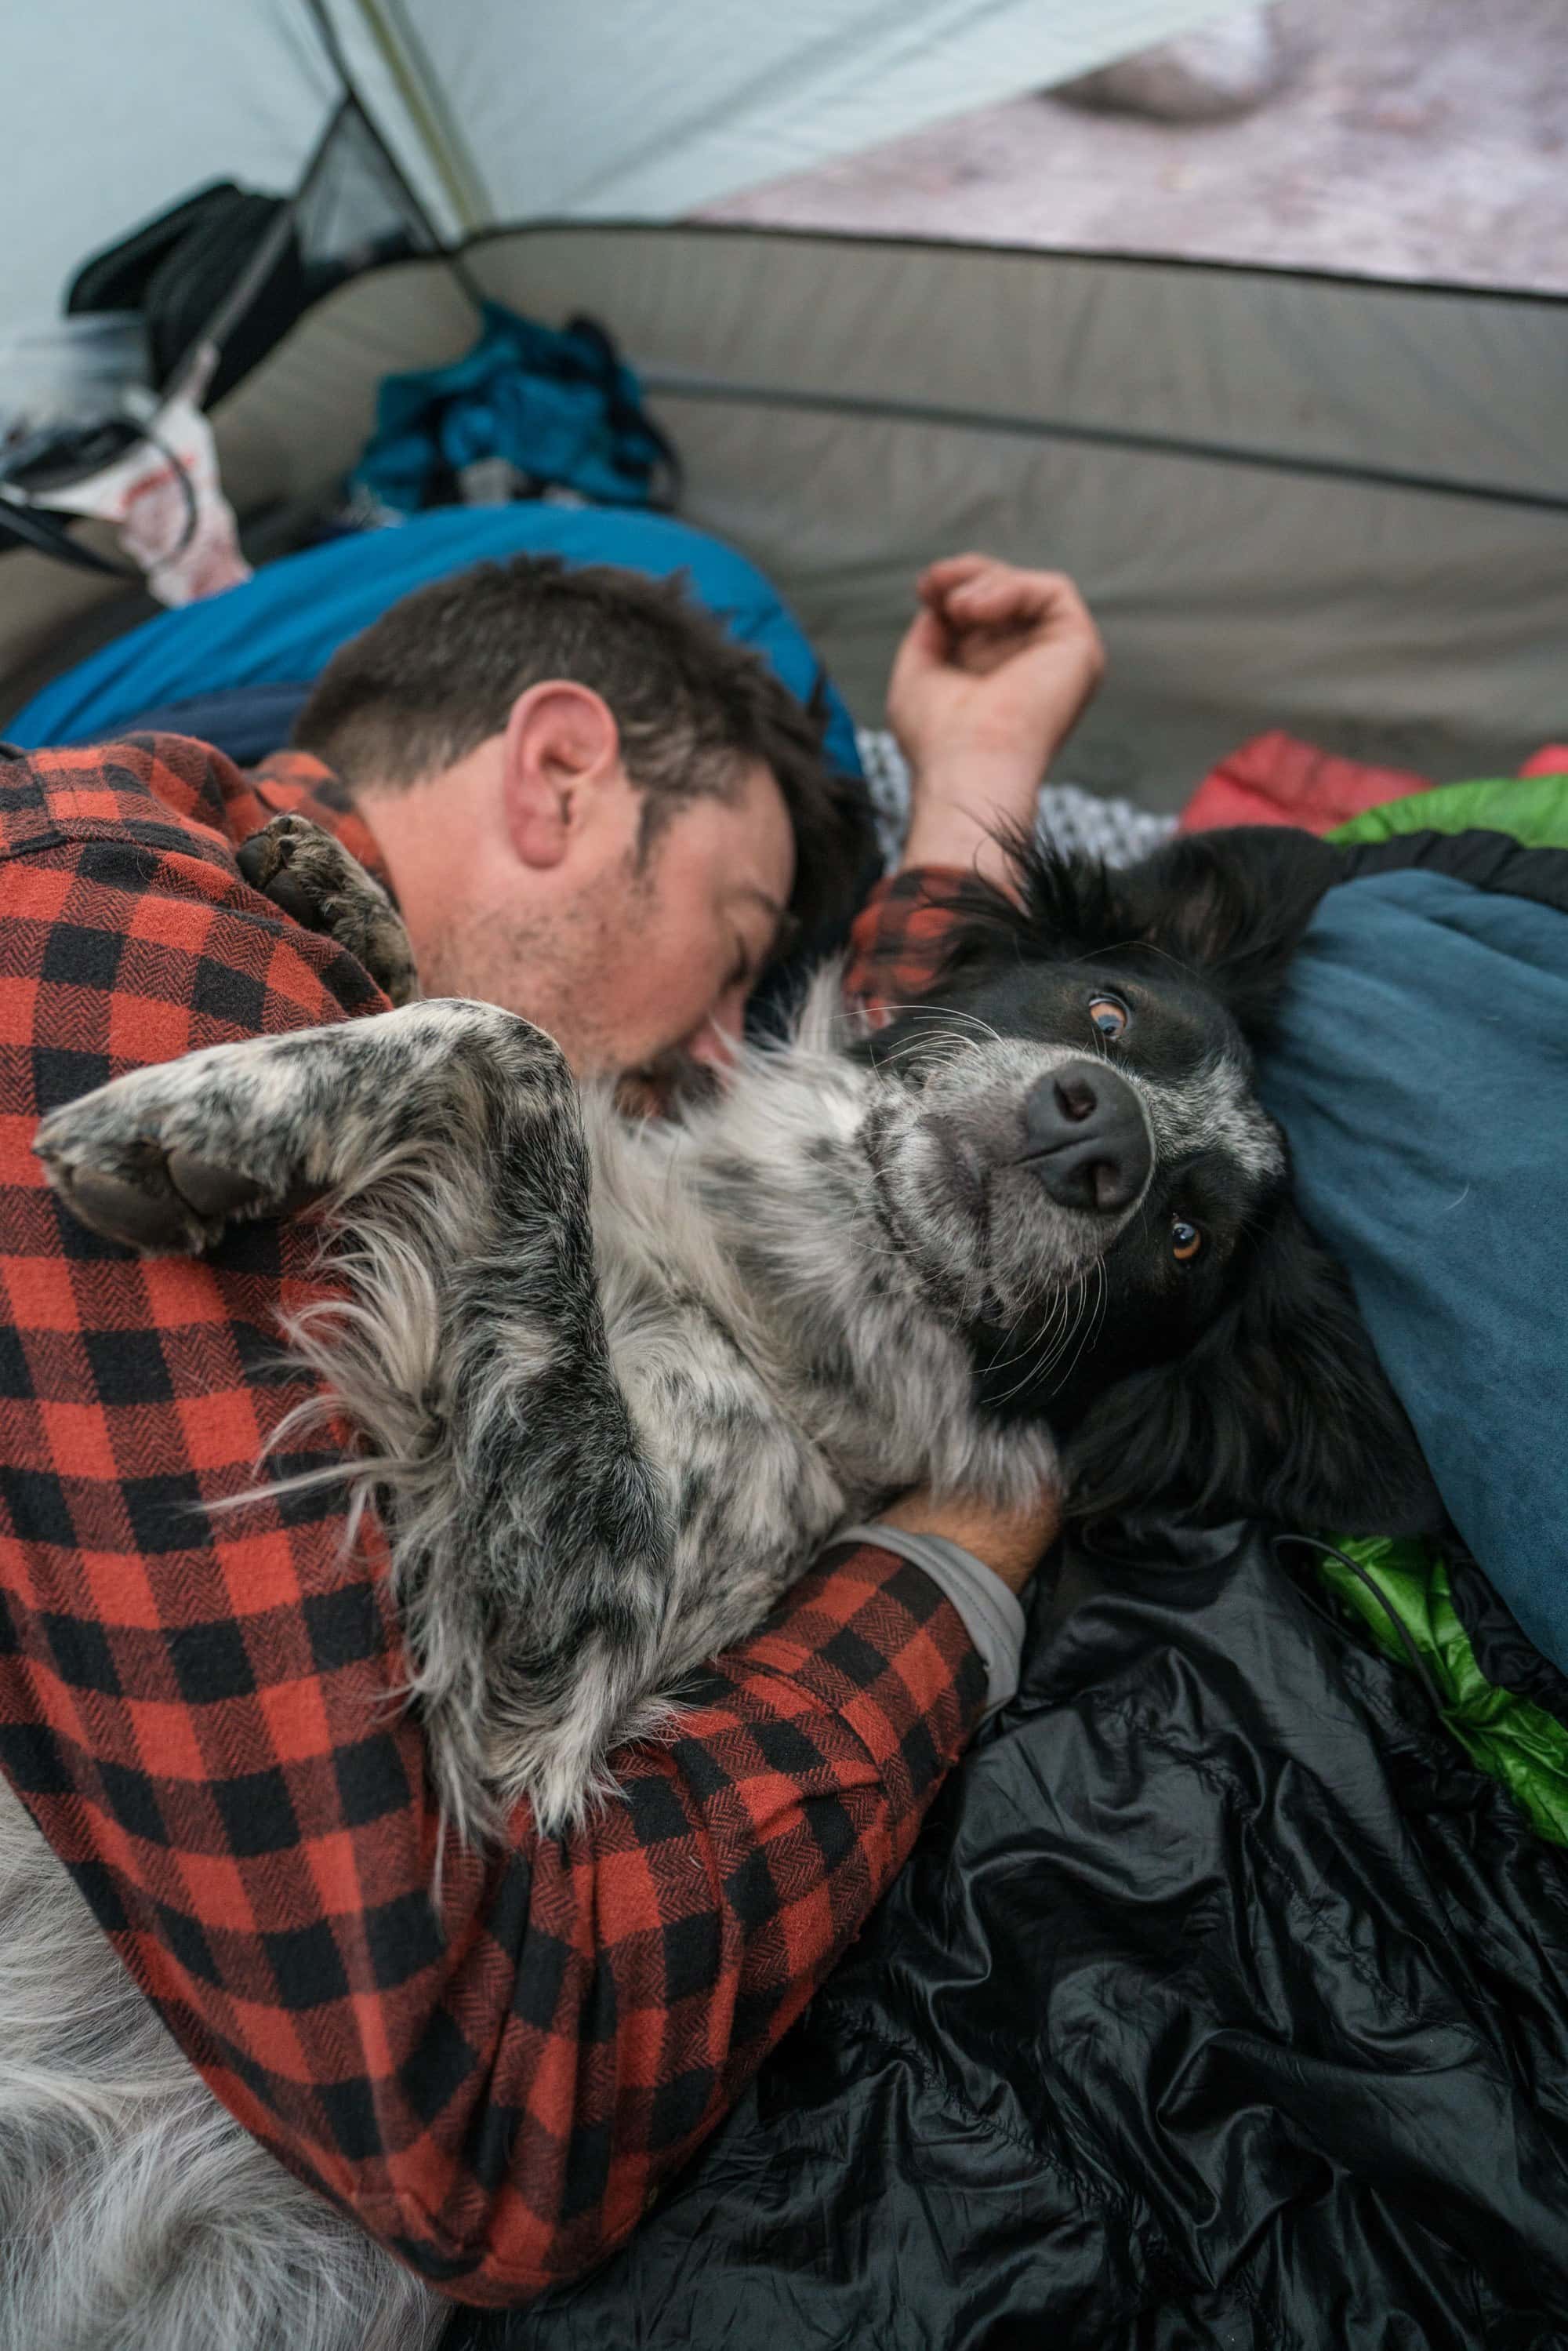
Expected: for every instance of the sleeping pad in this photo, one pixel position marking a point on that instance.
(1225, 1999)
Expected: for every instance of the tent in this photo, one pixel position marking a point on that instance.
(1323, 502)
(1298, 2072)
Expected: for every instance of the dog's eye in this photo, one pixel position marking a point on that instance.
(1109, 1014)
(1186, 1241)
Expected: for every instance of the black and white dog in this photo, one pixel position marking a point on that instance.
(619, 1382)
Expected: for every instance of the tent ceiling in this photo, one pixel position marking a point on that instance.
(117, 111)
(633, 110)
(608, 108)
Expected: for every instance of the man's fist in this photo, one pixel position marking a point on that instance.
(995, 669)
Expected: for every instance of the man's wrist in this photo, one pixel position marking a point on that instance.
(980, 778)
(955, 837)
(958, 807)
(1009, 1543)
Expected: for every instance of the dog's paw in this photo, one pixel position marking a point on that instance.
(294, 864)
(311, 878)
(159, 1162)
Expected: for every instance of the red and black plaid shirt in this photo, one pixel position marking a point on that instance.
(197, 1710)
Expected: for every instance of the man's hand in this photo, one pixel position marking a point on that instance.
(994, 672)
(1011, 1543)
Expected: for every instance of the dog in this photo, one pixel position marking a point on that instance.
(618, 1382)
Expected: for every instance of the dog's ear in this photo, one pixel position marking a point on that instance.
(1282, 1411)
(1231, 905)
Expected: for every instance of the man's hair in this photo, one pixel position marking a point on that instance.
(437, 675)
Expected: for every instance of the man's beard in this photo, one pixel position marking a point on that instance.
(540, 969)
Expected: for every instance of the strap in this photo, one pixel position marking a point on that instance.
(46, 530)
(48, 534)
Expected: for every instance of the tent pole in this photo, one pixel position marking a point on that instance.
(403, 53)
(353, 100)
(443, 146)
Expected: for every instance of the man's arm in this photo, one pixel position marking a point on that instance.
(992, 676)
(491, 2064)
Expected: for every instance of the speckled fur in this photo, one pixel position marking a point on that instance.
(658, 1364)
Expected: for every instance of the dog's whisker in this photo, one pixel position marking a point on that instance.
(1036, 1371)
(1082, 1321)
(945, 1012)
(1050, 1342)
(1090, 1322)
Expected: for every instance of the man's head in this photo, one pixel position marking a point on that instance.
(596, 806)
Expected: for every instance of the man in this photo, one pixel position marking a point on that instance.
(591, 803)
(595, 810)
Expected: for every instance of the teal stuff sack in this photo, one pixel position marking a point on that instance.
(561, 409)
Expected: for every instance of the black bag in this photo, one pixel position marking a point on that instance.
(180, 269)
(224, 266)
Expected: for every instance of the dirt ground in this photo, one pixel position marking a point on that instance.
(1424, 139)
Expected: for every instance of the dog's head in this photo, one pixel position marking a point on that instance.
(1071, 1151)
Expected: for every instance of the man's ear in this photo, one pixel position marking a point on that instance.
(560, 748)
(1282, 1412)
(1233, 904)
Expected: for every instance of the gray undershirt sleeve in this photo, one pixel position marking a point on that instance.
(992, 1615)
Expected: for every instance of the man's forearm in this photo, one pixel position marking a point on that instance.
(984, 1589)
(494, 2071)
(961, 817)
(633, 1978)
(986, 684)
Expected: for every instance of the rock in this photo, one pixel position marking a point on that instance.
(1223, 68)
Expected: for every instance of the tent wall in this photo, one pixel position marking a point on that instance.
(1417, 625)
(624, 109)
(1337, 507)
(720, 98)
(116, 110)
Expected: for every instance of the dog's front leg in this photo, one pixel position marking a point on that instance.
(165, 1158)
(529, 1544)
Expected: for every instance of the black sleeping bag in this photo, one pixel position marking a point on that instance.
(1223, 2003)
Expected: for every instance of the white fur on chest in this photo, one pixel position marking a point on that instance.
(785, 1368)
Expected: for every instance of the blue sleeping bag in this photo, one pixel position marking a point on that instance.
(1420, 1069)
(235, 670)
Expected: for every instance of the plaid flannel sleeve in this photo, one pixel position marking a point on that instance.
(899, 934)
(495, 2066)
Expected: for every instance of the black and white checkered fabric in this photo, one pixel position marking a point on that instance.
(1071, 818)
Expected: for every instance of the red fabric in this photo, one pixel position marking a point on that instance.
(200, 1713)
(1551, 760)
(1277, 779)
(898, 938)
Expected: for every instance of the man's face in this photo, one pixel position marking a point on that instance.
(631, 965)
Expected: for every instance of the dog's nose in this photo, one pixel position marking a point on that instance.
(1087, 1140)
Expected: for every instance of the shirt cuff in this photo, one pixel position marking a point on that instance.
(993, 1616)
